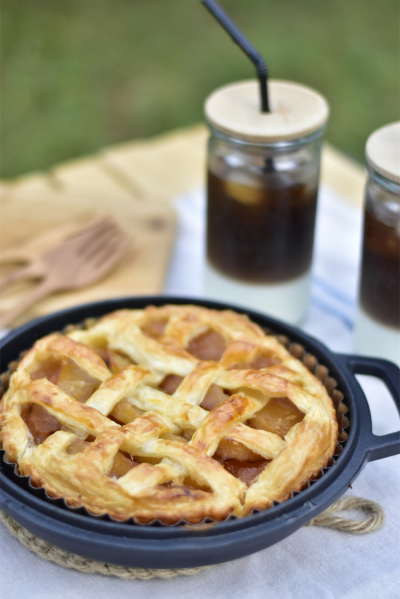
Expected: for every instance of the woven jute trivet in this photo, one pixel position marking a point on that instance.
(373, 512)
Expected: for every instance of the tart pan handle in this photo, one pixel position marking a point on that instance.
(379, 446)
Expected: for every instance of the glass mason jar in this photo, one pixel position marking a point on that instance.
(261, 207)
(377, 330)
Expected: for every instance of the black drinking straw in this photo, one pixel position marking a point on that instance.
(244, 44)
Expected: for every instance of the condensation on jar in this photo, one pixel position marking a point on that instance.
(262, 188)
(377, 330)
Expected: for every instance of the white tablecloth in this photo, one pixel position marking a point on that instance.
(314, 562)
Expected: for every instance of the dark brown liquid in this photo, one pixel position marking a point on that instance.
(260, 235)
(380, 271)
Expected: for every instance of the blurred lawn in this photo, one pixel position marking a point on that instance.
(80, 75)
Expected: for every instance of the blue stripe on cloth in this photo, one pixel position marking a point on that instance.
(335, 312)
(333, 291)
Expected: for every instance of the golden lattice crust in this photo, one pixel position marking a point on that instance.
(172, 436)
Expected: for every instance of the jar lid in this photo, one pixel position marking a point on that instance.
(383, 151)
(296, 111)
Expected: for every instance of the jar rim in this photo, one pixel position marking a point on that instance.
(385, 182)
(276, 145)
(382, 151)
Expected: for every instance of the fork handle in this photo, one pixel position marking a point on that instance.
(32, 271)
(43, 289)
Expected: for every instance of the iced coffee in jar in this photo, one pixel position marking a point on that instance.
(377, 330)
(263, 175)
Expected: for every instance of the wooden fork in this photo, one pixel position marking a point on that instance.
(39, 267)
(79, 261)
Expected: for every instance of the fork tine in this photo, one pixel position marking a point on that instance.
(95, 245)
(91, 229)
(112, 245)
(94, 239)
(113, 255)
(104, 262)
(79, 242)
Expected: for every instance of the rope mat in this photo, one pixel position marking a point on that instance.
(374, 518)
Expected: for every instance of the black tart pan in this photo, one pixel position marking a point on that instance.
(186, 546)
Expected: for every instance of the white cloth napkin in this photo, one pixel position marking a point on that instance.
(314, 562)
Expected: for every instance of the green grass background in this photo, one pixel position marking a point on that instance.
(79, 75)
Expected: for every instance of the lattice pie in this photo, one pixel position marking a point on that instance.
(176, 412)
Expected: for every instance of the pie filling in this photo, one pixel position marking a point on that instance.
(40, 423)
(207, 346)
(67, 375)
